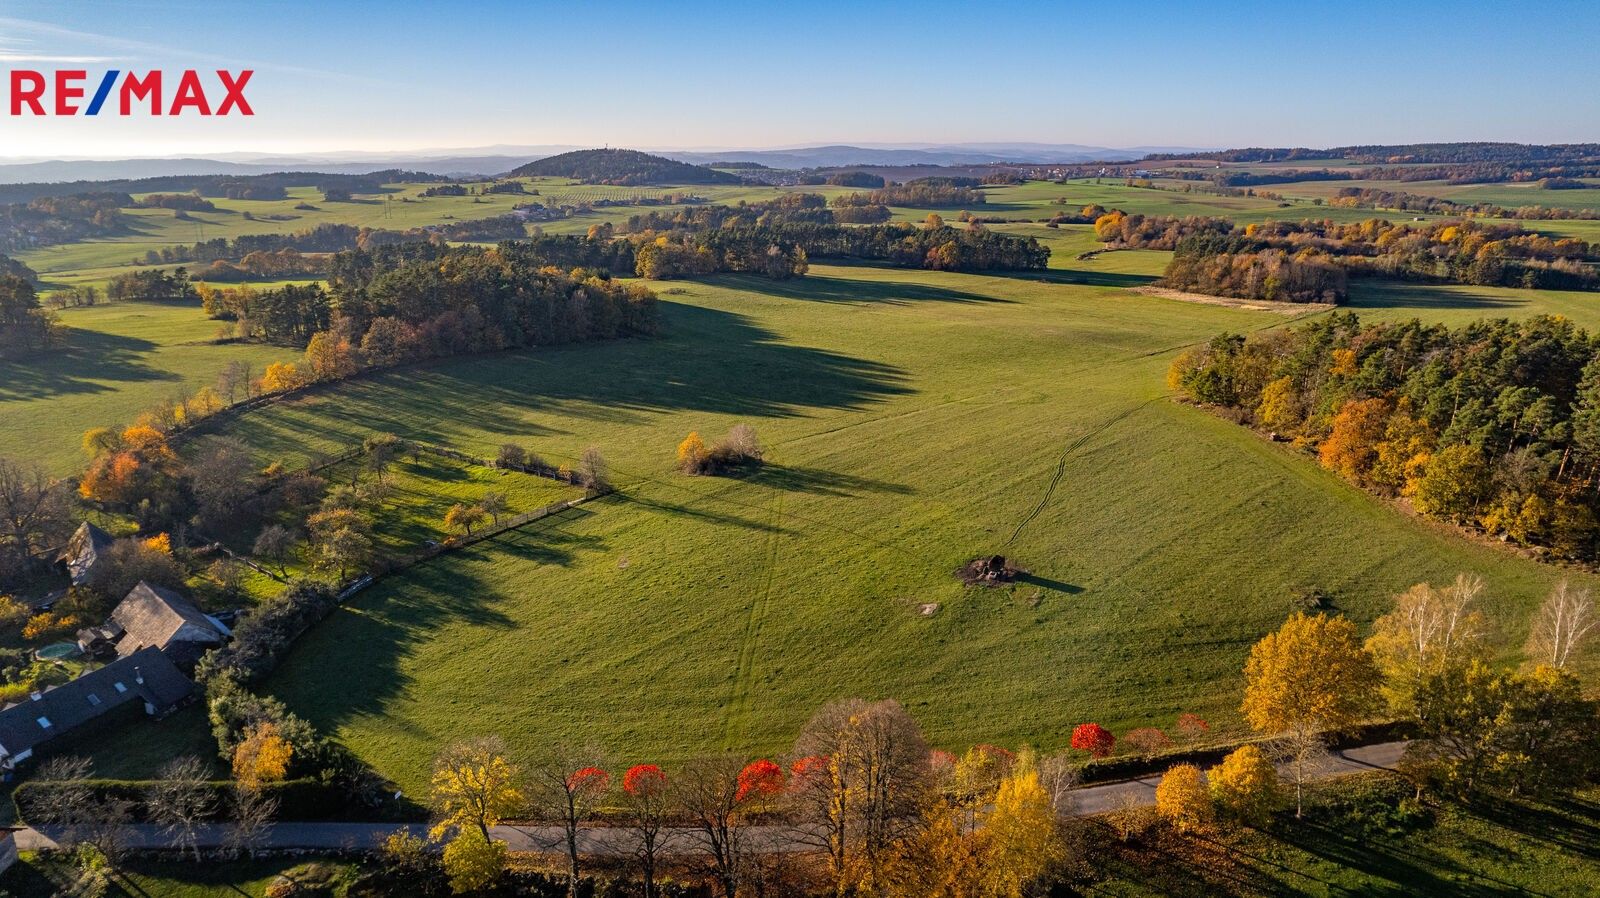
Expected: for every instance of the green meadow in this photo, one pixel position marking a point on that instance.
(913, 420)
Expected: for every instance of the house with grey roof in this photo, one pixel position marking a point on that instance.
(145, 679)
(80, 558)
(155, 617)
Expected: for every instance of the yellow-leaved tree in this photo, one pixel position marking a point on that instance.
(692, 453)
(1428, 631)
(1183, 800)
(473, 861)
(1021, 841)
(262, 757)
(1310, 677)
(1246, 785)
(474, 786)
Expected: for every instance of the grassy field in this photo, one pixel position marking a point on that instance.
(118, 359)
(914, 420)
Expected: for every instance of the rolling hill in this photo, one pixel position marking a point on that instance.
(624, 167)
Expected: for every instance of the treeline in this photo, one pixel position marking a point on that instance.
(187, 202)
(271, 185)
(940, 248)
(939, 192)
(1494, 425)
(25, 327)
(1375, 198)
(1463, 252)
(629, 168)
(1270, 274)
(278, 255)
(152, 286)
(51, 220)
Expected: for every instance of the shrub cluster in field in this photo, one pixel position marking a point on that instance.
(739, 448)
(1494, 425)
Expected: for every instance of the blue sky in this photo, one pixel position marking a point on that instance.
(684, 74)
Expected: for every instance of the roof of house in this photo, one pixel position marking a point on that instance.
(153, 616)
(84, 550)
(146, 675)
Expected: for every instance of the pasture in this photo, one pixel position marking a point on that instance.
(914, 420)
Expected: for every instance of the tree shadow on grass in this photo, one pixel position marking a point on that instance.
(1070, 589)
(1426, 296)
(822, 288)
(1084, 278)
(78, 367)
(1416, 870)
(816, 480)
(707, 360)
(712, 517)
(361, 647)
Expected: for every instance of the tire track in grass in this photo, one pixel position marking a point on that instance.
(1061, 462)
(737, 711)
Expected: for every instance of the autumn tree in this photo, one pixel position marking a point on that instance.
(692, 454)
(275, 543)
(129, 561)
(223, 479)
(474, 786)
(1147, 741)
(592, 471)
(933, 222)
(646, 796)
(261, 757)
(1428, 630)
(342, 550)
(330, 357)
(464, 517)
(1454, 483)
(1488, 731)
(1246, 785)
(1311, 676)
(1183, 800)
(473, 861)
(1094, 739)
(281, 377)
(1564, 622)
(861, 779)
(1021, 839)
(1352, 447)
(567, 784)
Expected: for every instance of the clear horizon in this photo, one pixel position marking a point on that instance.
(338, 78)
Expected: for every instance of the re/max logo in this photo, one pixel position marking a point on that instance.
(68, 87)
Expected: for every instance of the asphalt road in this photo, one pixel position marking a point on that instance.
(614, 841)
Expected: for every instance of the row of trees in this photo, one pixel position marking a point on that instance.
(1494, 425)
(1462, 251)
(1378, 198)
(1270, 274)
(862, 788)
(928, 192)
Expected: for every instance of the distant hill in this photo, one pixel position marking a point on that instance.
(626, 167)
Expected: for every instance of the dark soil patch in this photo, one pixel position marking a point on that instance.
(990, 570)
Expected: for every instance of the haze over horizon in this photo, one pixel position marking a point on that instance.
(332, 78)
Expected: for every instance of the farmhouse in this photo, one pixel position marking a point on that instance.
(145, 676)
(80, 558)
(153, 617)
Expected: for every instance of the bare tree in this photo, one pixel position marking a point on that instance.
(224, 478)
(1058, 774)
(1129, 816)
(233, 381)
(567, 784)
(64, 800)
(863, 775)
(706, 792)
(494, 504)
(274, 543)
(252, 812)
(1303, 755)
(181, 800)
(34, 511)
(592, 471)
(1564, 621)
